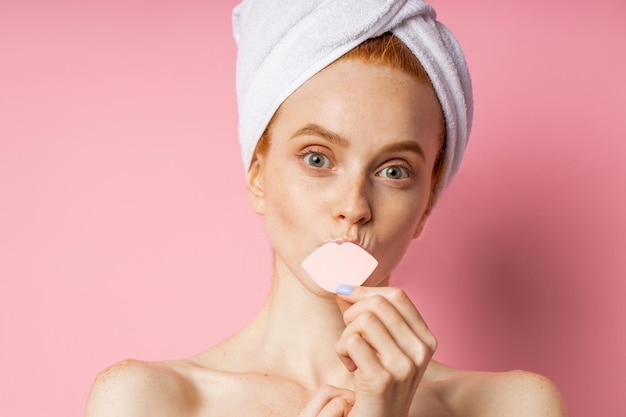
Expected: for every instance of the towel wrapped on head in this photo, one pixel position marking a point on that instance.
(281, 44)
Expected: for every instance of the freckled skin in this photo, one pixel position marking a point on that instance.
(387, 114)
(302, 355)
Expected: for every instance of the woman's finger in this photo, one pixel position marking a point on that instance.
(395, 310)
(329, 401)
(416, 341)
(353, 346)
(369, 344)
(395, 296)
(337, 407)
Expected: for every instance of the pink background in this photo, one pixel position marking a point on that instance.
(125, 229)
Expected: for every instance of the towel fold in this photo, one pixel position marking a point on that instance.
(282, 43)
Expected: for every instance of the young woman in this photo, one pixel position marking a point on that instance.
(355, 148)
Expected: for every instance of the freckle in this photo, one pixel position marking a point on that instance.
(110, 371)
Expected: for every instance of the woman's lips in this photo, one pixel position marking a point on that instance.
(339, 262)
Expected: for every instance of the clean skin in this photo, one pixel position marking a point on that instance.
(350, 159)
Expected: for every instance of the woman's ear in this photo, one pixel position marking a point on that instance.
(255, 181)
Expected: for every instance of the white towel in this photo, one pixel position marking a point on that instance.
(283, 43)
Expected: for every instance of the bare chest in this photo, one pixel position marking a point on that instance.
(261, 396)
(249, 395)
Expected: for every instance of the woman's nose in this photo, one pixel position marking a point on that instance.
(352, 202)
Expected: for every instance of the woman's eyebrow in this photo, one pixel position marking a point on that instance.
(337, 139)
(317, 130)
(407, 145)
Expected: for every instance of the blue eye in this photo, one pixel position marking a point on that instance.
(317, 160)
(394, 172)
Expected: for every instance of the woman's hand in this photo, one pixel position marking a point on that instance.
(329, 401)
(389, 344)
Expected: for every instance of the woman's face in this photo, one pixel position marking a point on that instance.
(350, 159)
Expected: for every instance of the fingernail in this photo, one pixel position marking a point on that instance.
(343, 289)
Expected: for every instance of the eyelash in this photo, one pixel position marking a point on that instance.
(403, 166)
(313, 151)
(317, 151)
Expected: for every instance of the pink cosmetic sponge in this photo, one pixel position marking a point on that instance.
(332, 264)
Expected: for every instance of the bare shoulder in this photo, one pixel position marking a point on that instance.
(135, 388)
(531, 392)
(514, 394)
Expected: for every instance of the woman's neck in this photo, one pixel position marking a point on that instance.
(296, 331)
